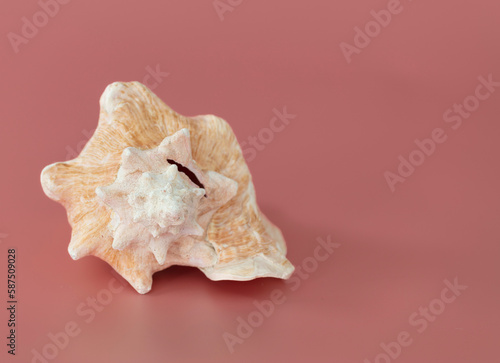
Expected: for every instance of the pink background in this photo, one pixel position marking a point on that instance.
(323, 175)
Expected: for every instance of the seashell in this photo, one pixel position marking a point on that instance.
(152, 189)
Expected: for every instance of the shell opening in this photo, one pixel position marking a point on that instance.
(192, 176)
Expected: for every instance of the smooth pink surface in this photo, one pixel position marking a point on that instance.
(323, 175)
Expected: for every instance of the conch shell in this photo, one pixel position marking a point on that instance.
(152, 189)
